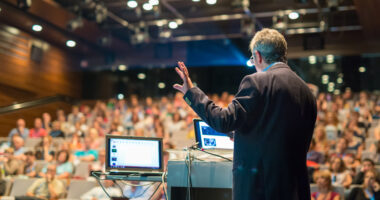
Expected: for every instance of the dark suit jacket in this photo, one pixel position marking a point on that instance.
(273, 116)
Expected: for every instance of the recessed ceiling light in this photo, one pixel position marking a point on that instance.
(294, 15)
(71, 43)
(173, 25)
(132, 3)
(37, 27)
(211, 2)
(147, 6)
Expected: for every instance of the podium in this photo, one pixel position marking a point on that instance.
(210, 180)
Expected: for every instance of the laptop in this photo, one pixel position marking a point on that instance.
(208, 138)
(126, 155)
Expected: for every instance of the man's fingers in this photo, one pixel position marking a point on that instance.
(178, 87)
(180, 73)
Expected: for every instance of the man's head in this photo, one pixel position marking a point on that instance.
(38, 123)
(368, 164)
(20, 123)
(51, 170)
(18, 142)
(29, 157)
(268, 46)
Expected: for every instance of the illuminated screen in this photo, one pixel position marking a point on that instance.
(208, 138)
(134, 153)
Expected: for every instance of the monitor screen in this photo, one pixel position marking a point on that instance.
(208, 138)
(133, 153)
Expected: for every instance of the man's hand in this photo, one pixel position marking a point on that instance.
(184, 74)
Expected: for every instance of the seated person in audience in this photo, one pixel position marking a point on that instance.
(313, 155)
(64, 168)
(340, 176)
(48, 187)
(12, 165)
(87, 154)
(37, 131)
(367, 165)
(353, 142)
(20, 130)
(74, 116)
(325, 189)
(94, 138)
(341, 149)
(18, 147)
(321, 143)
(97, 193)
(136, 190)
(30, 164)
(56, 130)
(45, 149)
(46, 122)
(100, 165)
(370, 189)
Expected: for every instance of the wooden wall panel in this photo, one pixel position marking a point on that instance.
(23, 79)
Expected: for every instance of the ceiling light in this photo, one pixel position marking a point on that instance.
(122, 67)
(249, 63)
(312, 60)
(330, 58)
(173, 25)
(211, 2)
(196, 0)
(132, 3)
(325, 79)
(362, 69)
(141, 76)
(37, 27)
(154, 2)
(294, 15)
(120, 96)
(161, 85)
(71, 43)
(147, 6)
(331, 84)
(336, 92)
(339, 80)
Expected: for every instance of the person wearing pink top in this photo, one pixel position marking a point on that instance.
(37, 131)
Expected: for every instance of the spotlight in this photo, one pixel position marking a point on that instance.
(330, 58)
(312, 60)
(120, 96)
(294, 15)
(362, 69)
(249, 63)
(325, 79)
(147, 6)
(173, 25)
(71, 43)
(211, 2)
(132, 3)
(141, 76)
(339, 80)
(122, 67)
(161, 85)
(37, 27)
(154, 2)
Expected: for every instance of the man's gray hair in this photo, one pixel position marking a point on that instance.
(271, 44)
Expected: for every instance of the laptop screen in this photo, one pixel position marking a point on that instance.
(208, 138)
(127, 153)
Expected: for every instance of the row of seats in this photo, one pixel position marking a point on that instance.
(19, 186)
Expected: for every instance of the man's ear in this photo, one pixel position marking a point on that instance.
(258, 56)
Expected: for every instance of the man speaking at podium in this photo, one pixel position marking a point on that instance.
(272, 115)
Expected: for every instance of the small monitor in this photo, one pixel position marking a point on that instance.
(133, 154)
(208, 138)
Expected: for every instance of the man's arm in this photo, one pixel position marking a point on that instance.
(224, 119)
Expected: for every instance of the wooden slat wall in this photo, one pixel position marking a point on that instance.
(25, 79)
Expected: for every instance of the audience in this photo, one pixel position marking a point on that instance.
(97, 193)
(347, 133)
(370, 189)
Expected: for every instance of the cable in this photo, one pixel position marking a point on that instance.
(101, 185)
(202, 150)
(188, 164)
(154, 191)
(163, 182)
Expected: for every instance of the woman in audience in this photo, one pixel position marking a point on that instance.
(340, 176)
(45, 149)
(64, 168)
(325, 189)
(332, 127)
(322, 145)
(370, 190)
(30, 164)
(94, 138)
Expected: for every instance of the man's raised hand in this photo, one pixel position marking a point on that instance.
(184, 74)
